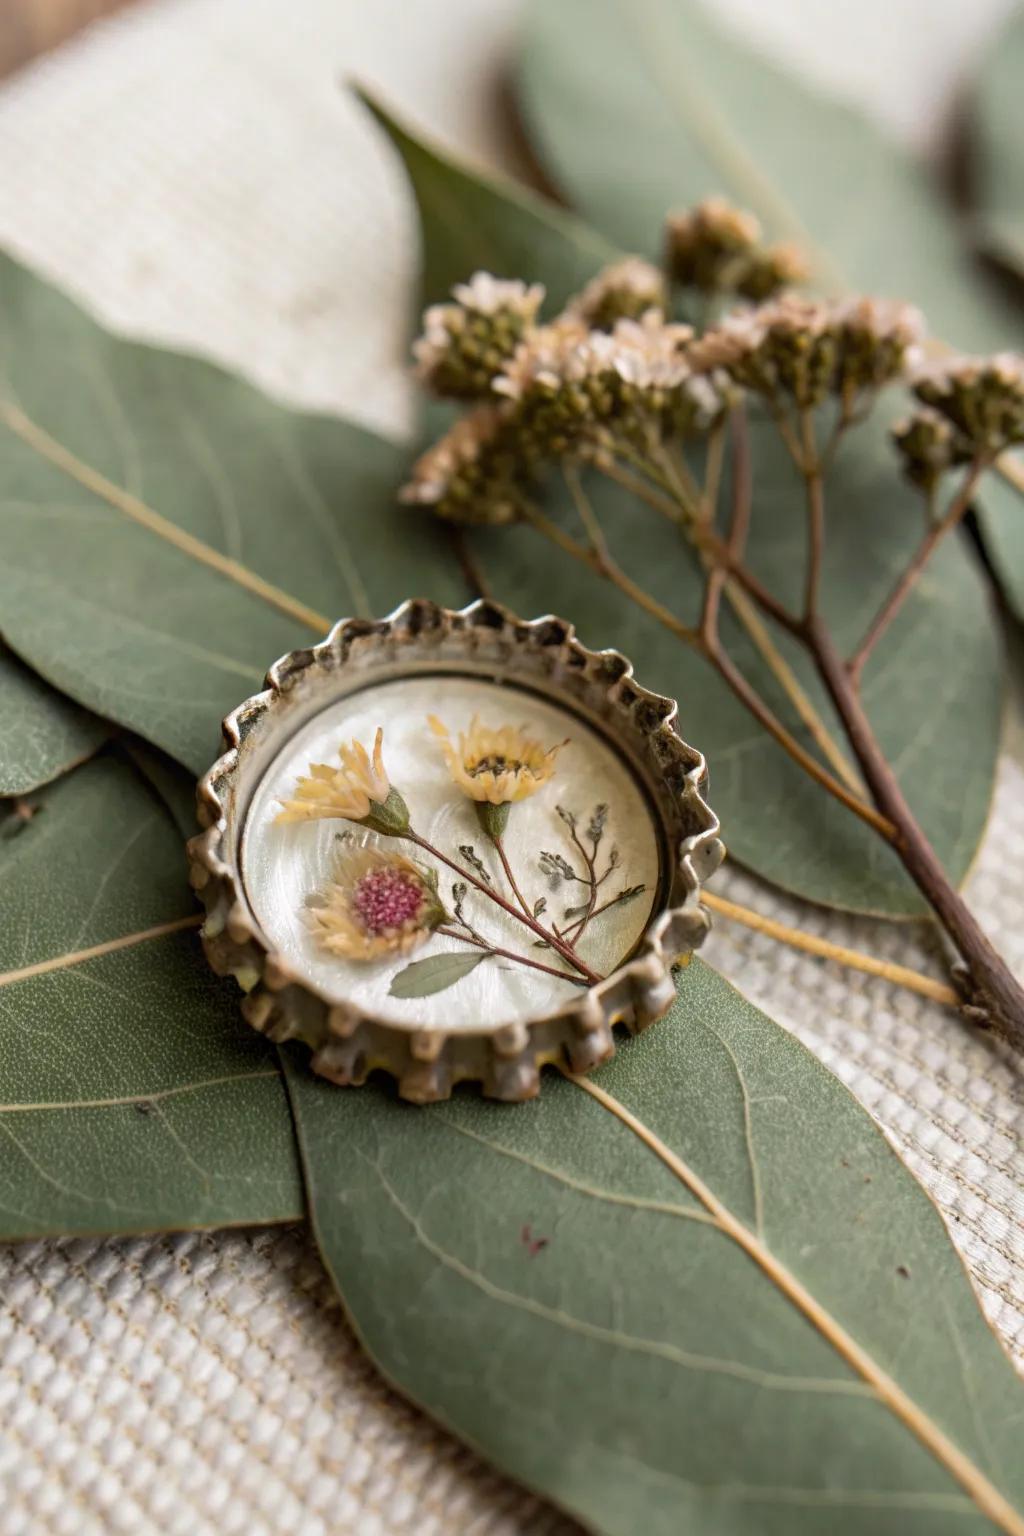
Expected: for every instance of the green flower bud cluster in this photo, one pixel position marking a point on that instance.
(476, 473)
(718, 248)
(805, 350)
(928, 445)
(983, 399)
(464, 344)
(625, 290)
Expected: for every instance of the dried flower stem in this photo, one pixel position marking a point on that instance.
(682, 515)
(811, 944)
(510, 877)
(937, 531)
(708, 645)
(998, 990)
(605, 566)
(471, 937)
(815, 513)
(565, 950)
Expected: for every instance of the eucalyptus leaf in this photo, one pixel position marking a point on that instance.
(134, 1097)
(941, 663)
(542, 243)
(664, 106)
(995, 135)
(42, 734)
(616, 1333)
(98, 435)
(421, 978)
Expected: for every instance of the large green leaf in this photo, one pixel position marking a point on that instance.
(996, 137)
(662, 107)
(942, 663)
(98, 433)
(42, 734)
(538, 1279)
(134, 1097)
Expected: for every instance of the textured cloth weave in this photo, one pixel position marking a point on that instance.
(191, 170)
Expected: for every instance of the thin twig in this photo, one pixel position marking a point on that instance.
(510, 877)
(713, 466)
(901, 975)
(723, 664)
(508, 954)
(934, 536)
(612, 573)
(562, 948)
(638, 487)
(815, 513)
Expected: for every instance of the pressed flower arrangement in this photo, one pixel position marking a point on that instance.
(695, 1289)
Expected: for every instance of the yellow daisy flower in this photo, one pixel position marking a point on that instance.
(378, 904)
(496, 766)
(357, 791)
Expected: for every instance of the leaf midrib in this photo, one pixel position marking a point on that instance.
(960, 1467)
(49, 448)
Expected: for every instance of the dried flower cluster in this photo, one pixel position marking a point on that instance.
(719, 249)
(464, 344)
(803, 350)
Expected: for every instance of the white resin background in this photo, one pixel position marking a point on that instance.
(191, 170)
(284, 863)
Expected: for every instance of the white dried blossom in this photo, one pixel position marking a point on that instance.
(624, 290)
(465, 343)
(487, 294)
(549, 355)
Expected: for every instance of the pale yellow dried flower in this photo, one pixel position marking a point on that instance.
(496, 765)
(347, 793)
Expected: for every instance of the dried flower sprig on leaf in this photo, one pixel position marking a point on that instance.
(610, 386)
(718, 249)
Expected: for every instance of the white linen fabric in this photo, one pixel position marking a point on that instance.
(192, 171)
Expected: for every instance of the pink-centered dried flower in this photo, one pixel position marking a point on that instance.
(378, 904)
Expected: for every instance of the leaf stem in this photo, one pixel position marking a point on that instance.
(998, 992)
(810, 943)
(937, 531)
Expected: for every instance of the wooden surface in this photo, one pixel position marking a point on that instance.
(30, 27)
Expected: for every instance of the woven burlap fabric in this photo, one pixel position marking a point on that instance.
(192, 172)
